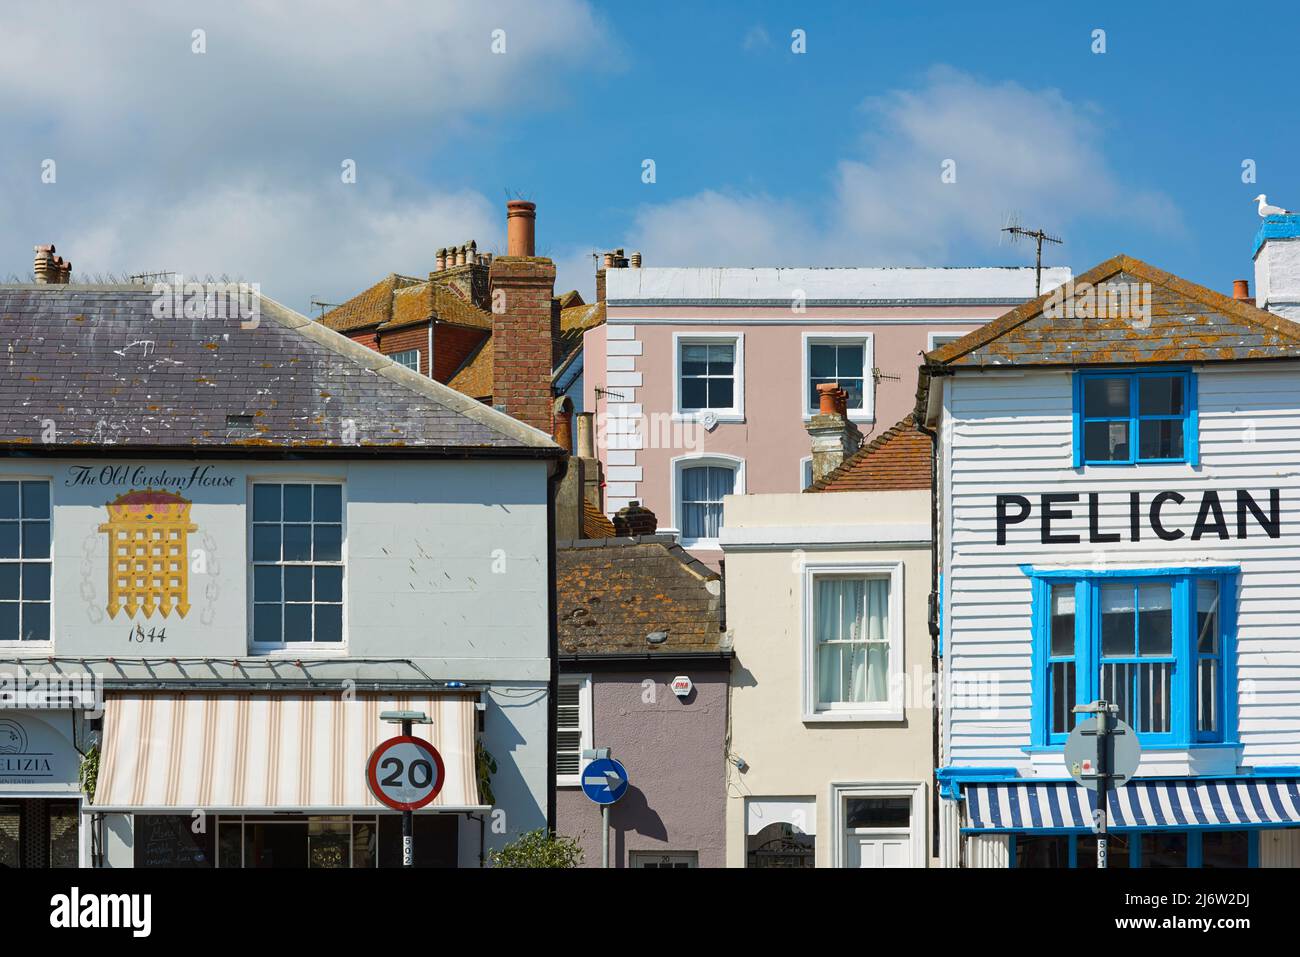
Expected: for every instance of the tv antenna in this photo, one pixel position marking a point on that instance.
(1016, 232)
(322, 306)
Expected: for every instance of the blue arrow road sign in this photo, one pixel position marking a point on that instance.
(604, 780)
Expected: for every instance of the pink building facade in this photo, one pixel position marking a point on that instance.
(702, 379)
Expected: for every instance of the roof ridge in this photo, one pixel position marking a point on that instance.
(380, 364)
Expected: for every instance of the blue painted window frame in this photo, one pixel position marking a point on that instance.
(1191, 440)
(1087, 643)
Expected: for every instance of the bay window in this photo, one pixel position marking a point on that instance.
(1157, 643)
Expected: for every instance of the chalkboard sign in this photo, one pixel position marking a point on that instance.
(169, 841)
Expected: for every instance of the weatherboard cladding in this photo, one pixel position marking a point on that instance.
(1013, 434)
(96, 363)
(1007, 396)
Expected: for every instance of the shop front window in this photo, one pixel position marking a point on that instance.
(1140, 849)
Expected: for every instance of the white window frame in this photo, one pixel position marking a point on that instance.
(585, 726)
(319, 649)
(889, 710)
(734, 414)
(683, 462)
(931, 338)
(406, 352)
(917, 831)
(36, 646)
(868, 411)
(805, 472)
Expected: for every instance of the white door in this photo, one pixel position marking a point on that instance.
(879, 850)
(878, 830)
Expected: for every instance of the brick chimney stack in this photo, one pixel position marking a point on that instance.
(522, 289)
(50, 268)
(834, 435)
(634, 519)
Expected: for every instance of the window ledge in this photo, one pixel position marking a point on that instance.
(701, 543)
(854, 717)
(730, 415)
(32, 646)
(1198, 746)
(297, 651)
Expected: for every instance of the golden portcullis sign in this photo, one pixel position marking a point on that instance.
(148, 532)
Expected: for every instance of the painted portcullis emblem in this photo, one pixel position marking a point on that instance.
(148, 531)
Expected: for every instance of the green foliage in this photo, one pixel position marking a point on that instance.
(486, 766)
(539, 849)
(88, 772)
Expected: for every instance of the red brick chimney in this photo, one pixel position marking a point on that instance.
(522, 287)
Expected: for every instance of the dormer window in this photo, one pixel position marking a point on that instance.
(1134, 418)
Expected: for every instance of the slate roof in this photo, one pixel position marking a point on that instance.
(96, 362)
(1187, 323)
(614, 592)
(899, 458)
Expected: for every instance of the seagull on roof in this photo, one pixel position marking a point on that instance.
(1265, 209)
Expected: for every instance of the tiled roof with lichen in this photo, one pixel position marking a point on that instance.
(1178, 321)
(899, 458)
(370, 307)
(474, 377)
(614, 593)
(397, 301)
(96, 360)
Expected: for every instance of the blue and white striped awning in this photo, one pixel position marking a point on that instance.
(1191, 803)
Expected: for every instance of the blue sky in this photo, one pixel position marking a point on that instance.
(227, 161)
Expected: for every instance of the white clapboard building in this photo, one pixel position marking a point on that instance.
(1119, 502)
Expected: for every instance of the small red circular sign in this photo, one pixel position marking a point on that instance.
(405, 773)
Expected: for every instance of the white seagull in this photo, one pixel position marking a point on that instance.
(1267, 210)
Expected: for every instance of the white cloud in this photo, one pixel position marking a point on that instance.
(229, 161)
(1015, 150)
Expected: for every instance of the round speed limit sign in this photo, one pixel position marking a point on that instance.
(405, 773)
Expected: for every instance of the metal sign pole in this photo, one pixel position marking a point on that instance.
(604, 835)
(1103, 782)
(408, 818)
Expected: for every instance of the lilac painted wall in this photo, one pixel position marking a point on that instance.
(673, 751)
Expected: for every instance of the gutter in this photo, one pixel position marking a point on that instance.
(552, 639)
(233, 450)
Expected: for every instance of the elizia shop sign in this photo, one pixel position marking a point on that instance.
(36, 758)
(1219, 514)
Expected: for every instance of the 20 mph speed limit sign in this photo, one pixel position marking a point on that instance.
(405, 773)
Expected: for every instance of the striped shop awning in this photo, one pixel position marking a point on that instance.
(1186, 803)
(267, 751)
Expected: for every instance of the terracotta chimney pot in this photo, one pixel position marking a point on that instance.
(1241, 289)
(521, 226)
(826, 401)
